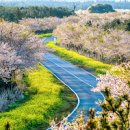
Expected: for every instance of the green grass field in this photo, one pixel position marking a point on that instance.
(80, 60)
(45, 35)
(45, 99)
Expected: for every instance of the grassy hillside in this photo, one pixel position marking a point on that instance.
(45, 99)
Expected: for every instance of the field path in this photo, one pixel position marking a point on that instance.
(78, 80)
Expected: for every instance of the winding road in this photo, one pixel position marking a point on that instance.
(78, 80)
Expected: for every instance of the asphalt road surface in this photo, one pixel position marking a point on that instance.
(48, 39)
(78, 80)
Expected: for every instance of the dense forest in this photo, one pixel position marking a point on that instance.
(17, 13)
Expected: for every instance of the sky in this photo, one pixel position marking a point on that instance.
(60, 0)
(45, 0)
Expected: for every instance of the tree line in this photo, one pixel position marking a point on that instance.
(15, 14)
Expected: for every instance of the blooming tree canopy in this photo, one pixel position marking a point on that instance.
(117, 86)
(34, 25)
(19, 49)
(96, 36)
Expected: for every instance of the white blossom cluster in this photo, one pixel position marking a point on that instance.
(117, 86)
(9, 60)
(78, 124)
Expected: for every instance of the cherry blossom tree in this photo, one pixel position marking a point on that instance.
(111, 46)
(9, 61)
(34, 25)
(19, 49)
(117, 86)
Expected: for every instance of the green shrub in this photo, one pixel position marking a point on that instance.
(127, 25)
(116, 23)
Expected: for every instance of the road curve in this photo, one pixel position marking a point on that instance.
(78, 80)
